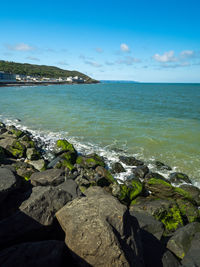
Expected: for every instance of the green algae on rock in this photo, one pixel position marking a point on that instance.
(129, 192)
(64, 145)
(17, 149)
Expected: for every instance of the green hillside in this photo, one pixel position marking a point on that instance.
(40, 70)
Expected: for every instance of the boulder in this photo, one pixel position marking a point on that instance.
(180, 242)
(159, 187)
(24, 169)
(161, 166)
(140, 171)
(39, 164)
(63, 146)
(169, 260)
(36, 254)
(179, 178)
(100, 230)
(32, 154)
(163, 210)
(192, 257)
(193, 191)
(49, 177)
(130, 161)
(71, 187)
(44, 202)
(148, 223)
(90, 161)
(17, 149)
(104, 177)
(8, 183)
(117, 168)
(155, 175)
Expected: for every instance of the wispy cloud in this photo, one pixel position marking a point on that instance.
(99, 50)
(63, 63)
(166, 57)
(109, 63)
(33, 58)
(20, 47)
(128, 60)
(187, 53)
(93, 63)
(124, 48)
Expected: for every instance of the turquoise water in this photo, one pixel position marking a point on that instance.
(151, 121)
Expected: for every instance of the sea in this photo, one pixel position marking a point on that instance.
(151, 121)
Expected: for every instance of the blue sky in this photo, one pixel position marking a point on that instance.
(143, 40)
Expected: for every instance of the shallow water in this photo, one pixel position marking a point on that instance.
(151, 121)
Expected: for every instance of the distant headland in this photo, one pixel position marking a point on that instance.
(12, 73)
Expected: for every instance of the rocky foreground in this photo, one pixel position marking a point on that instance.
(72, 212)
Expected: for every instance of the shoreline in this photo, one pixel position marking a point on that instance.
(77, 185)
(41, 83)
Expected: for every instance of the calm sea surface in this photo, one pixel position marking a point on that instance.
(151, 121)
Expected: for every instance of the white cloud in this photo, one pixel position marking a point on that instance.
(124, 48)
(92, 63)
(166, 57)
(20, 47)
(187, 53)
(99, 50)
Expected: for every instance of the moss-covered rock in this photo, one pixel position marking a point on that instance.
(64, 164)
(105, 173)
(69, 156)
(90, 161)
(17, 149)
(129, 192)
(159, 188)
(179, 178)
(190, 212)
(64, 145)
(17, 133)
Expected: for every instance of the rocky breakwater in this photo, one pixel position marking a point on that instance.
(71, 211)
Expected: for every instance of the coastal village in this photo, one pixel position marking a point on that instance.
(9, 78)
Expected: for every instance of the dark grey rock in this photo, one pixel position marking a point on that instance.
(36, 254)
(49, 177)
(179, 178)
(192, 257)
(109, 235)
(44, 202)
(130, 161)
(117, 168)
(180, 242)
(140, 171)
(193, 191)
(161, 166)
(169, 260)
(8, 183)
(155, 175)
(148, 223)
(71, 187)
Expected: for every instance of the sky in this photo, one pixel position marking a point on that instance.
(137, 40)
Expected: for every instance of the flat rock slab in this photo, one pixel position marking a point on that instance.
(45, 253)
(71, 187)
(43, 203)
(49, 177)
(180, 242)
(8, 182)
(100, 230)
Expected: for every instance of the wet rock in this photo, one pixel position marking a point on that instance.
(189, 210)
(161, 166)
(148, 223)
(159, 187)
(192, 257)
(108, 233)
(156, 176)
(193, 191)
(8, 183)
(63, 146)
(36, 254)
(130, 161)
(140, 171)
(180, 242)
(117, 168)
(90, 161)
(179, 178)
(107, 177)
(49, 177)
